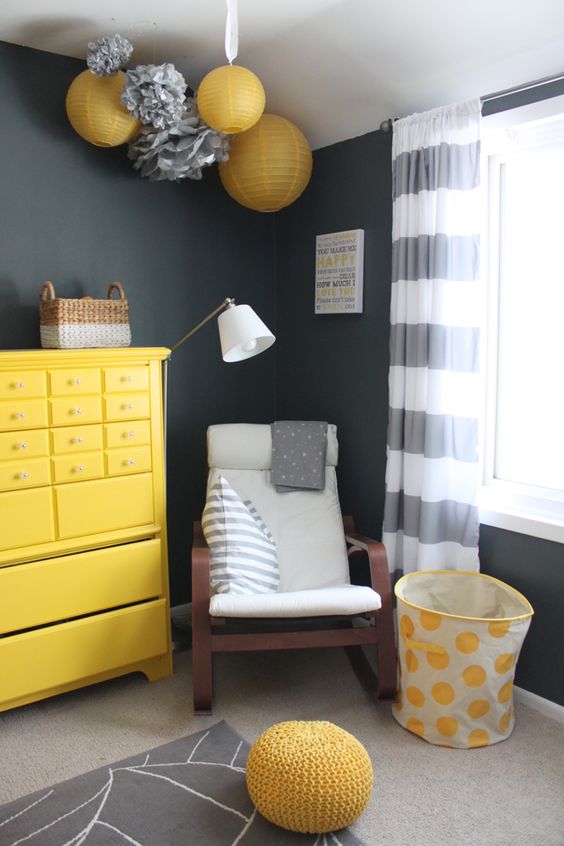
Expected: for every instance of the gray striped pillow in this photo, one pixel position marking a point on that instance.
(242, 550)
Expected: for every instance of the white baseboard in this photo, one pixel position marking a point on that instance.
(545, 706)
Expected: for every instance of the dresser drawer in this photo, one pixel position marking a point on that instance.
(66, 411)
(26, 518)
(23, 414)
(120, 379)
(70, 439)
(39, 660)
(23, 383)
(79, 467)
(74, 585)
(107, 505)
(127, 434)
(24, 473)
(120, 462)
(126, 406)
(72, 382)
(24, 444)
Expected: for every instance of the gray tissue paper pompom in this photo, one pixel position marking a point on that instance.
(155, 94)
(107, 55)
(179, 151)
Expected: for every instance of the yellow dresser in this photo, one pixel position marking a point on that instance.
(83, 555)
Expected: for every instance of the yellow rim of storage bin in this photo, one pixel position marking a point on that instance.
(417, 573)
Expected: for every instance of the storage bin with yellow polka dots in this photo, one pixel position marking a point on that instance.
(460, 635)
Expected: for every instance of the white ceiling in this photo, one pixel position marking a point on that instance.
(337, 68)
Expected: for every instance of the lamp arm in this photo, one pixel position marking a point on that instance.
(227, 302)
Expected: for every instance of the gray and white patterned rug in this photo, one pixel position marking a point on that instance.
(190, 791)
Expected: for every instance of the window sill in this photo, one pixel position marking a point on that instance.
(527, 524)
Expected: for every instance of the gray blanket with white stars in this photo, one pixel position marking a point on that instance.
(299, 450)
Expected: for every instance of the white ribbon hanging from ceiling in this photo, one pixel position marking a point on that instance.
(231, 31)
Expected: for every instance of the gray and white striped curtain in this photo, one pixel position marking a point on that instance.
(432, 474)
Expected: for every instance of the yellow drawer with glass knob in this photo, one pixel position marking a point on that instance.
(23, 414)
(81, 409)
(71, 439)
(102, 578)
(132, 460)
(75, 382)
(118, 379)
(79, 467)
(30, 444)
(119, 435)
(24, 473)
(82, 520)
(22, 383)
(126, 406)
(27, 518)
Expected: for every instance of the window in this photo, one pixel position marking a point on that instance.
(523, 431)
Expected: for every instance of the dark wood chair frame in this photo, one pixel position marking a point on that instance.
(380, 631)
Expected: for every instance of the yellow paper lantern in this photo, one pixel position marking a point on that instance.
(230, 99)
(96, 113)
(269, 165)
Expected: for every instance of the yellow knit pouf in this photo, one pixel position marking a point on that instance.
(311, 777)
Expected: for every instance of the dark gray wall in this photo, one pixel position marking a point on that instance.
(336, 368)
(81, 217)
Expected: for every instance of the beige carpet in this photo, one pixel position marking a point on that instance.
(510, 794)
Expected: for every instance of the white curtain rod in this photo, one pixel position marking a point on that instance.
(387, 125)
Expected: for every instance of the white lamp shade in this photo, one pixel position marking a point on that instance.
(242, 333)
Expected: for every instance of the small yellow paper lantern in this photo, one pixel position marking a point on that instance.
(230, 99)
(269, 165)
(96, 113)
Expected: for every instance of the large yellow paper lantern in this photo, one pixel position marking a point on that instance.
(269, 165)
(230, 99)
(96, 113)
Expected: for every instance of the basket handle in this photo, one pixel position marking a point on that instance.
(47, 292)
(116, 286)
(436, 648)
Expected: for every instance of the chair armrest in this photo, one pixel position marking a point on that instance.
(382, 584)
(377, 559)
(200, 576)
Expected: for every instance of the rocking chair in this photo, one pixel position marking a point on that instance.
(314, 547)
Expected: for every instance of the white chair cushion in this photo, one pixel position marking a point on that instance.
(306, 525)
(248, 446)
(242, 549)
(340, 599)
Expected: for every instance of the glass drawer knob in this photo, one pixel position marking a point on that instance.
(20, 414)
(130, 461)
(78, 440)
(20, 385)
(25, 475)
(22, 445)
(129, 405)
(131, 434)
(130, 378)
(78, 411)
(76, 381)
(80, 468)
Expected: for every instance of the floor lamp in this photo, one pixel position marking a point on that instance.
(242, 334)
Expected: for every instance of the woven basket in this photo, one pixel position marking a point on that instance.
(79, 323)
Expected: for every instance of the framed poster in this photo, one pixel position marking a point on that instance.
(339, 265)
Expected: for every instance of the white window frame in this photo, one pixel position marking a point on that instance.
(520, 508)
